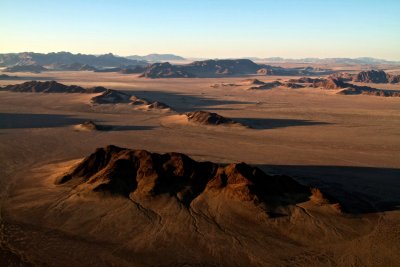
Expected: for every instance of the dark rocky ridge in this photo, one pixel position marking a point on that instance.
(376, 76)
(126, 172)
(50, 87)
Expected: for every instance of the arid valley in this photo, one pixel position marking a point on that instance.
(179, 133)
(345, 146)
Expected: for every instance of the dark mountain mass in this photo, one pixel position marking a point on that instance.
(60, 58)
(118, 171)
(220, 68)
(50, 87)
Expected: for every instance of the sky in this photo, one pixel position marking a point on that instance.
(204, 28)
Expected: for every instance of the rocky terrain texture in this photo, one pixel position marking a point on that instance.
(219, 68)
(208, 118)
(50, 87)
(111, 96)
(376, 76)
(127, 172)
(166, 70)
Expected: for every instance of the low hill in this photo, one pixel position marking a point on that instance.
(50, 87)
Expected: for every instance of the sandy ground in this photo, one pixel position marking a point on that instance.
(347, 145)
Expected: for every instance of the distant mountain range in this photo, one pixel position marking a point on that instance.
(60, 59)
(157, 57)
(350, 61)
(222, 68)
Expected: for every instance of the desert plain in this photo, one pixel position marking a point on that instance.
(346, 145)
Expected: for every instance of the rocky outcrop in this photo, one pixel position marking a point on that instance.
(207, 118)
(306, 80)
(376, 76)
(330, 83)
(127, 172)
(50, 87)
(344, 76)
(365, 90)
(111, 97)
(265, 86)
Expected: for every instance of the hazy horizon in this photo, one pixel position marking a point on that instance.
(206, 29)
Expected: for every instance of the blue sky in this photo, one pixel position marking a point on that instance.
(206, 28)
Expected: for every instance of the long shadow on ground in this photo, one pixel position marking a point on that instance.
(359, 189)
(267, 123)
(185, 102)
(26, 121)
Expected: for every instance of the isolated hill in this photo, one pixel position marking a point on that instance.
(50, 87)
(376, 76)
(157, 57)
(207, 118)
(87, 126)
(26, 68)
(60, 58)
(330, 83)
(111, 97)
(125, 172)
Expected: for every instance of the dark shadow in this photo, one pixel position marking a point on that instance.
(358, 189)
(102, 127)
(261, 123)
(25, 121)
(184, 102)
